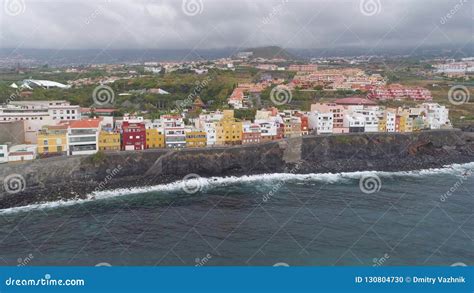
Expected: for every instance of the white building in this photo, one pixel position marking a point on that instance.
(391, 121)
(37, 114)
(23, 152)
(437, 116)
(83, 136)
(58, 110)
(33, 120)
(210, 129)
(46, 84)
(3, 153)
(268, 129)
(204, 118)
(175, 133)
(155, 124)
(355, 122)
(370, 115)
(323, 123)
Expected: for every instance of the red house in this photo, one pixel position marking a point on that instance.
(304, 123)
(280, 131)
(133, 136)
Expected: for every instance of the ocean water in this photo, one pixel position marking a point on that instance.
(363, 218)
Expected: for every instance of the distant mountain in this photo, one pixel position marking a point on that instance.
(12, 57)
(270, 52)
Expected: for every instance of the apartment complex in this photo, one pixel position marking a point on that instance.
(83, 136)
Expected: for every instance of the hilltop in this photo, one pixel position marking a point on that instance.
(270, 52)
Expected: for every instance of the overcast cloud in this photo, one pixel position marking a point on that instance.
(232, 23)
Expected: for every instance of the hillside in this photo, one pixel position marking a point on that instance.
(270, 52)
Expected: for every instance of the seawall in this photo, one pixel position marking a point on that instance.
(75, 177)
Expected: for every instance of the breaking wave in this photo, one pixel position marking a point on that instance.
(215, 182)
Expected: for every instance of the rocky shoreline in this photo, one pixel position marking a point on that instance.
(65, 178)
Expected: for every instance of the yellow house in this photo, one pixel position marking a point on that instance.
(228, 130)
(406, 124)
(383, 124)
(52, 140)
(155, 138)
(109, 141)
(196, 139)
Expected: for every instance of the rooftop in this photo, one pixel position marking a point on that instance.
(90, 123)
(355, 101)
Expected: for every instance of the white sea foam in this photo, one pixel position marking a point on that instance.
(209, 183)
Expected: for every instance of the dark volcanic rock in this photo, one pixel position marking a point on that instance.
(75, 177)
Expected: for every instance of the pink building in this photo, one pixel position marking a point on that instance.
(399, 92)
(338, 112)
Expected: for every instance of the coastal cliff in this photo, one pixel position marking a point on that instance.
(64, 178)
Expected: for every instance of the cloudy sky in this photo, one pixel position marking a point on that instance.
(202, 24)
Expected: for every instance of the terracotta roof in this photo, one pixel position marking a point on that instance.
(98, 110)
(60, 126)
(90, 123)
(354, 101)
(20, 153)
